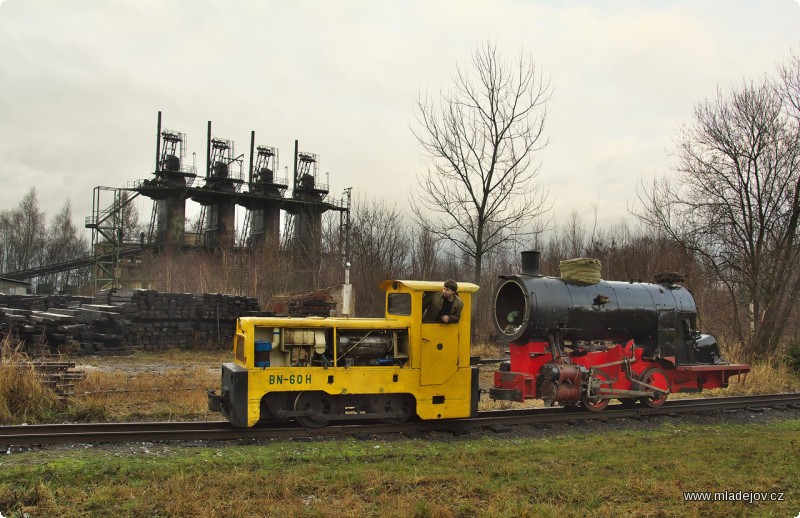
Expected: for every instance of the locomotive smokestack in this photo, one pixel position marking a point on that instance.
(530, 263)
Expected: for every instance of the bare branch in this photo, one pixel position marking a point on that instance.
(733, 200)
(479, 190)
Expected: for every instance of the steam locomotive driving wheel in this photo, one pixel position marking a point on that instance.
(657, 378)
(591, 397)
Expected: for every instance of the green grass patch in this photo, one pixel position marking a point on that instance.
(629, 473)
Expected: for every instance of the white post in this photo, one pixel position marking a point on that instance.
(347, 291)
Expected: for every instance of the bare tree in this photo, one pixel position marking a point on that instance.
(22, 234)
(425, 261)
(733, 203)
(481, 138)
(576, 240)
(380, 250)
(64, 244)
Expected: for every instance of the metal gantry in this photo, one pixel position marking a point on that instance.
(107, 223)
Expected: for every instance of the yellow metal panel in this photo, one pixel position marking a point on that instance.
(334, 380)
(463, 287)
(438, 352)
(454, 393)
(438, 378)
(315, 323)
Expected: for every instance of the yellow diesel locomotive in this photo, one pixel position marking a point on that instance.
(320, 370)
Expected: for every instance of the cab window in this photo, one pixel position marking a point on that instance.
(398, 304)
(427, 299)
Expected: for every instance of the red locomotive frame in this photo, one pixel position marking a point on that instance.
(593, 378)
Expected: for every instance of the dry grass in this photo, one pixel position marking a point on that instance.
(167, 385)
(143, 360)
(23, 397)
(489, 350)
(160, 394)
(769, 377)
(765, 377)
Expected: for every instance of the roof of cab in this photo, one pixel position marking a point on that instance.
(463, 287)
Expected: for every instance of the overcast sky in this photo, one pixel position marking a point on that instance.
(81, 82)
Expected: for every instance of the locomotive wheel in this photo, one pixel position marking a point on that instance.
(402, 404)
(592, 401)
(657, 378)
(317, 408)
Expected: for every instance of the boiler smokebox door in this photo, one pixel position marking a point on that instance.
(438, 353)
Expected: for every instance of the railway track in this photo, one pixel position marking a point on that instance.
(223, 431)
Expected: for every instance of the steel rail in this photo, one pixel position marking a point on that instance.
(21, 435)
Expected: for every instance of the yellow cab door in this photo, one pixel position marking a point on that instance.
(438, 352)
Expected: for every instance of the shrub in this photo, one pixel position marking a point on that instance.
(794, 357)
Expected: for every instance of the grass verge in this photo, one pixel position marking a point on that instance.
(628, 473)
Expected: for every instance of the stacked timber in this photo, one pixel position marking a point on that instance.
(158, 320)
(56, 328)
(317, 303)
(118, 321)
(101, 335)
(60, 376)
(41, 302)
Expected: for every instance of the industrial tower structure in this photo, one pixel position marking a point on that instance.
(218, 193)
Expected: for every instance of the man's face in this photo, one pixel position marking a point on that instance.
(447, 292)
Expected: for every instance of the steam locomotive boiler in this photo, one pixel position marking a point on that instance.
(574, 342)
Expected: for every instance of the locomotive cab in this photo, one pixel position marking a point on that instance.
(317, 370)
